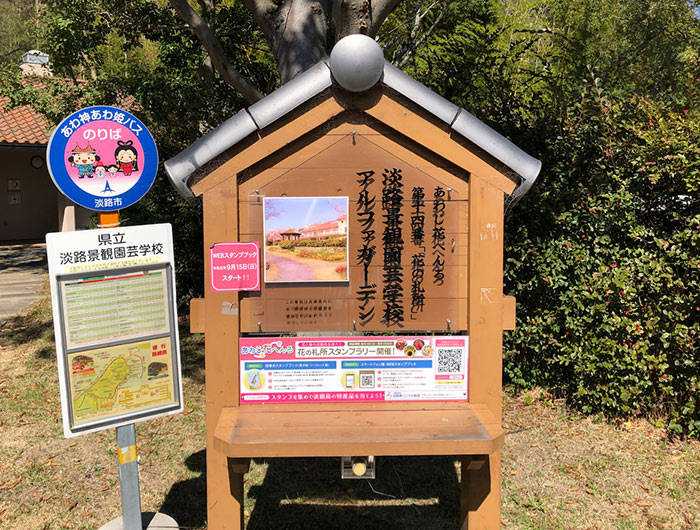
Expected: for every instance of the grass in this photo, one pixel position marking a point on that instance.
(560, 470)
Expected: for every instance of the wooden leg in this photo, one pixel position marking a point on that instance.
(481, 488)
(224, 505)
(239, 465)
(237, 468)
(480, 500)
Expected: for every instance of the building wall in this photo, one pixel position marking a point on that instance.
(325, 232)
(37, 212)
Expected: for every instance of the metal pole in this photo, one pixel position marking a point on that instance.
(132, 518)
(126, 441)
(129, 478)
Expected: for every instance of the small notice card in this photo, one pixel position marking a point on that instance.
(235, 266)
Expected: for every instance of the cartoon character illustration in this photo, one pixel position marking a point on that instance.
(99, 170)
(112, 170)
(126, 157)
(84, 159)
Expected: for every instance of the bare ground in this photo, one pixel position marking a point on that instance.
(560, 469)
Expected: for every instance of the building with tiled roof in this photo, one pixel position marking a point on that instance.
(30, 204)
(22, 126)
(290, 235)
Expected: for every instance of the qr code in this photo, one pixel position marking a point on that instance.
(450, 360)
(366, 379)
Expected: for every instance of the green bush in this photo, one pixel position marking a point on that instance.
(603, 252)
(286, 245)
(608, 282)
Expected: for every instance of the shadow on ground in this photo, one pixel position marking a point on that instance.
(191, 354)
(302, 493)
(186, 500)
(27, 327)
(24, 257)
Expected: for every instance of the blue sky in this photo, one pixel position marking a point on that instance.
(298, 212)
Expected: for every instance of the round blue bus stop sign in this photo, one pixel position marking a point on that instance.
(102, 158)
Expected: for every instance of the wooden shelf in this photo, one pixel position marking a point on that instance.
(339, 429)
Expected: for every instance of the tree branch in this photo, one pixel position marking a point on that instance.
(206, 5)
(416, 44)
(381, 9)
(409, 48)
(218, 56)
(263, 12)
(11, 52)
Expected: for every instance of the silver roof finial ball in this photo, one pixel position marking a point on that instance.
(357, 62)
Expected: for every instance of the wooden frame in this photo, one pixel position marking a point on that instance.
(234, 434)
(377, 146)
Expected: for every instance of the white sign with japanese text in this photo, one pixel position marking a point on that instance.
(109, 248)
(115, 322)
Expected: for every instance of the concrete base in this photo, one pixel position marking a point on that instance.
(149, 521)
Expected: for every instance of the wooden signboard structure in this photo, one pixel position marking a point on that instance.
(425, 195)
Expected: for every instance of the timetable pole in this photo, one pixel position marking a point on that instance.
(126, 441)
(129, 478)
(73, 160)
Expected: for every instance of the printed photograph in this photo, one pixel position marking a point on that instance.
(306, 239)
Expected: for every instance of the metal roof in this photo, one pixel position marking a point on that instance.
(315, 80)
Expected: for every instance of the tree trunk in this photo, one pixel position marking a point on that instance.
(351, 17)
(298, 31)
(302, 41)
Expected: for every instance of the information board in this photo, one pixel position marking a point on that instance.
(119, 380)
(354, 369)
(116, 326)
(138, 307)
(357, 239)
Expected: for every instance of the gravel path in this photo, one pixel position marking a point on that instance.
(23, 271)
(290, 270)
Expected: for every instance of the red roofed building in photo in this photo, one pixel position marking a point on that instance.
(339, 227)
(290, 235)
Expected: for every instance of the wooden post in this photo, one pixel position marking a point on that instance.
(224, 505)
(481, 484)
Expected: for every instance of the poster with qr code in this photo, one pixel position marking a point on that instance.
(361, 369)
